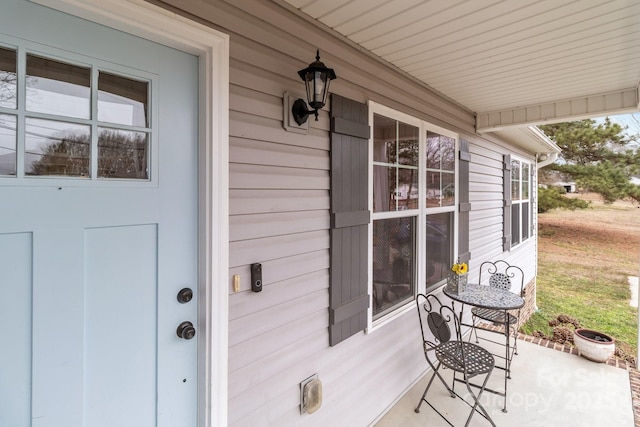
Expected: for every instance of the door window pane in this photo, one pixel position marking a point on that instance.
(74, 120)
(439, 236)
(122, 154)
(57, 148)
(7, 144)
(122, 100)
(393, 263)
(8, 78)
(58, 88)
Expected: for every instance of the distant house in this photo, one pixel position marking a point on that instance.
(179, 248)
(569, 187)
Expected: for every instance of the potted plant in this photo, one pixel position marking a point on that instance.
(593, 345)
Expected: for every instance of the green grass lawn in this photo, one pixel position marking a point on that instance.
(598, 303)
(585, 276)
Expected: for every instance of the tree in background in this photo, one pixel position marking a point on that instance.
(599, 157)
(553, 197)
(121, 154)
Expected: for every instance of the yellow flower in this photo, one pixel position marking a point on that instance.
(460, 268)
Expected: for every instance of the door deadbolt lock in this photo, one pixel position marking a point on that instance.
(186, 330)
(185, 295)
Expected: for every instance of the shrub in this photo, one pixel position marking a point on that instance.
(553, 198)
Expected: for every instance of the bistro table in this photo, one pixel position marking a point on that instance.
(496, 299)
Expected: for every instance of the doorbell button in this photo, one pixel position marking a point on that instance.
(256, 277)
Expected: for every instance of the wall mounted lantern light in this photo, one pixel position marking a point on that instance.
(316, 78)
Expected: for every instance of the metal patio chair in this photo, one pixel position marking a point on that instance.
(465, 359)
(500, 274)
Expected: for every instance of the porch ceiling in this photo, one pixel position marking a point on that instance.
(514, 63)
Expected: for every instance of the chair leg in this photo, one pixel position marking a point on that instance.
(514, 349)
(451, 391)
(422, 399)
(473, 327)
(477, 404)
(433, 377)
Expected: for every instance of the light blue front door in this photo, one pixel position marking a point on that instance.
(98, 225)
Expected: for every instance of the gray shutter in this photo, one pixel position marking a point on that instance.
(348, 289)
(506, 202)
(464, 207)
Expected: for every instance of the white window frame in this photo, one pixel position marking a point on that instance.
(421, 212)
(520, 201)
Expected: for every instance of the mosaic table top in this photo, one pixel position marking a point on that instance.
(486, 297)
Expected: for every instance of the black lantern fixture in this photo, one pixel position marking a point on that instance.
(316, 78)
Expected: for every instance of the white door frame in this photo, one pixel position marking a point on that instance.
(212, 47)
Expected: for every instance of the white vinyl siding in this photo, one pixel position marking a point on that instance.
(279, 216)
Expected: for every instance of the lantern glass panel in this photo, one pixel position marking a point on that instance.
(318, 86)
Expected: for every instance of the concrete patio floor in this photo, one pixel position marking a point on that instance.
(548, 388)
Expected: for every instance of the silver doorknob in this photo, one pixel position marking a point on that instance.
(186, 330)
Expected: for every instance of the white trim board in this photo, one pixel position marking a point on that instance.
(212, 47)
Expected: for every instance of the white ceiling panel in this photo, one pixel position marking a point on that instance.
(343, 17)
(322, 8)
(494, 56)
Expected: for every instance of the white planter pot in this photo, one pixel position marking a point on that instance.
(593, 345)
